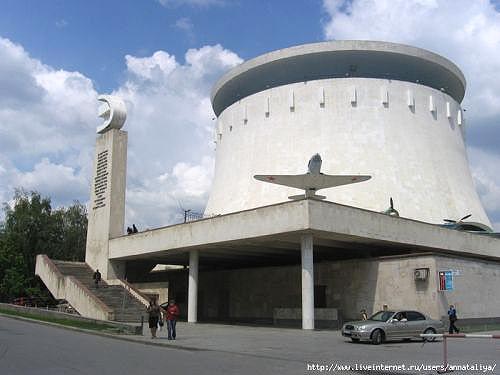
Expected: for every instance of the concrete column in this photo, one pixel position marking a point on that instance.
(193, 287)
(306, 249)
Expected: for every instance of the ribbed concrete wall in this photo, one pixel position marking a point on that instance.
(409, 137)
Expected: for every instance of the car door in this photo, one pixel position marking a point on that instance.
(396, 329)
(416, 323)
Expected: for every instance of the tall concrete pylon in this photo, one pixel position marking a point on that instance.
(106, 214)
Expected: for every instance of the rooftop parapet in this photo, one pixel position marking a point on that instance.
(338, 59)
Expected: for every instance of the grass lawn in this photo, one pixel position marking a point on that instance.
(64, 321)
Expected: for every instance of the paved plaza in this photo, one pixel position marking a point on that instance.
(324, 347)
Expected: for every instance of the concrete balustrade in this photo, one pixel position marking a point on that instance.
(70, 289)
(131, 289)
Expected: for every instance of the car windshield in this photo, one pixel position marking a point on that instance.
(382, 316)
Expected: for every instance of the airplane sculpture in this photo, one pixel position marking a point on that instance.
(312, 181)
(468, 226)
(391, 211)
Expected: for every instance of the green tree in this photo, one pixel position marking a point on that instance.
(31, 227)
(70, 225)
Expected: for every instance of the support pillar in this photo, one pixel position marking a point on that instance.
(306, 249)
(193, 287)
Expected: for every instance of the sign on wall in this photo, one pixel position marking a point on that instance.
(101, 180)
(445, 280)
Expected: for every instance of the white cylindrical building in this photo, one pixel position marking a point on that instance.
(387, 110)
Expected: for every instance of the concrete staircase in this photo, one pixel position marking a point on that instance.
(125, 306)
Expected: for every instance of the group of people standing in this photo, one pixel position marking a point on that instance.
(132, 230)
(157, 316)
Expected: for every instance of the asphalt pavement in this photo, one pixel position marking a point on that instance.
(31, 348)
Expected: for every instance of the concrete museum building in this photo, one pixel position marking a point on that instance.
(385, 110)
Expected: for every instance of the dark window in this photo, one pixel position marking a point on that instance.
(413, 315)
(319, 296)
(180, 297)
(382, 316)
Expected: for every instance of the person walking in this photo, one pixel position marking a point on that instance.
(154, 312)
(172, 315)
(97, 278)
(452, 315)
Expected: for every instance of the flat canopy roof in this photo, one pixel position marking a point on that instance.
(338, 59)
(273, 233)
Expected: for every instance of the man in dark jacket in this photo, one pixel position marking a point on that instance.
(452, 315)
(97, 278)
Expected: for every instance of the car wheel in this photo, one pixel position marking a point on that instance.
(354, 340)
(427, 332)
(377, 337)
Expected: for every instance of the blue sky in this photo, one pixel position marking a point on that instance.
(93, 36)
(163, 56)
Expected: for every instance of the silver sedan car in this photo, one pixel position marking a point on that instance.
(392, 325)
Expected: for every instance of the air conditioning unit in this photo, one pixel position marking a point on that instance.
(420, 274)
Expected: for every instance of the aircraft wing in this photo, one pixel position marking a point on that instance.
(310, 181)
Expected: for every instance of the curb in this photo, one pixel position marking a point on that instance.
(129, 338)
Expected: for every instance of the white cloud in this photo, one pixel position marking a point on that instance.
(487, 179)
(153, 68)
(466, 32)
(171, 130)
(48, 120)
(46, 126)
(60, 180)
(162, 199)
(184, 24)
(194, 180)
